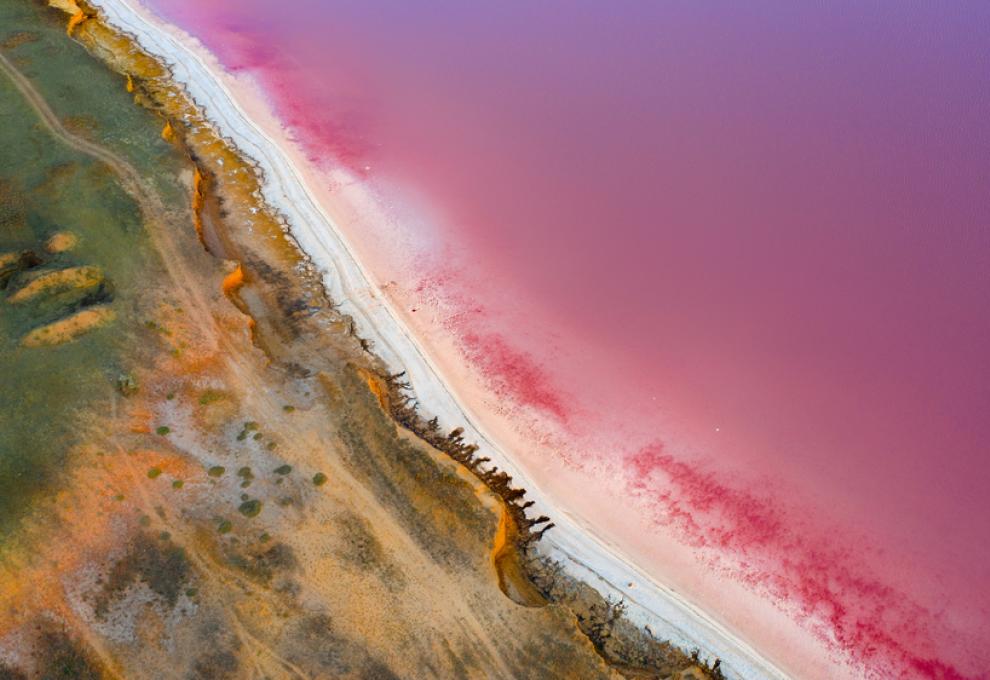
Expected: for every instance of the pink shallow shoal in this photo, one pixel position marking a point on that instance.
(735, 255)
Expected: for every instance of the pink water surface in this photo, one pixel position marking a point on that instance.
(750, 239)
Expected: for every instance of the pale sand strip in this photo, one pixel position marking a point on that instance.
(582, 553)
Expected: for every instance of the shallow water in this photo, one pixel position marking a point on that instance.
(748, 242)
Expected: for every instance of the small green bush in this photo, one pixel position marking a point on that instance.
(251, 508)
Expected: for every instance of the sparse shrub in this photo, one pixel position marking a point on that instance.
(250, 508)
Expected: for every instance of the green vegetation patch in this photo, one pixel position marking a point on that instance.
(250, 508)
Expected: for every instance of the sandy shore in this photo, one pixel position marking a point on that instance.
(241, 114)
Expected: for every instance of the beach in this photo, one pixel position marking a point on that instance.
(240, 115)
(201, 473)
(647, 525)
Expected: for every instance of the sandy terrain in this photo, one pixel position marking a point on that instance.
(242, 506)
(242, 115)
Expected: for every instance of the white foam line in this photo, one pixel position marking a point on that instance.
(575, 545)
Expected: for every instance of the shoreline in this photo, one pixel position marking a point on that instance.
(285, 187)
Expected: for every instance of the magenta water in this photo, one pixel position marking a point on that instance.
(737, 252)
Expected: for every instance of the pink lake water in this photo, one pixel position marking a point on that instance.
(734, 256)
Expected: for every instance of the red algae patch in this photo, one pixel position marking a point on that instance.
(513, 373)
(825, 583)
(509, 372)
